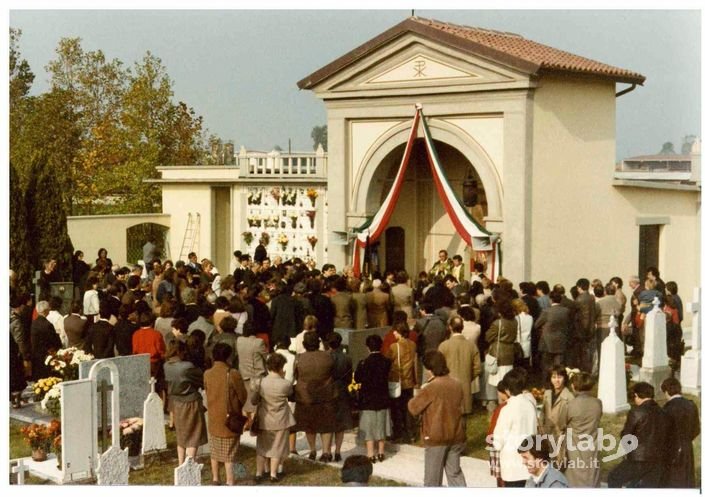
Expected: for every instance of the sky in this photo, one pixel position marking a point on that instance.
(238, 69)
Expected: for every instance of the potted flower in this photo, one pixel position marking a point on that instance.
(39, 437)
(312, 194)
(311, 216)
(131, 435)
(276, 194)
(283, 240)
(51, 402)
(41, 387)
(248, 237)
(312, 240)
(65, 362)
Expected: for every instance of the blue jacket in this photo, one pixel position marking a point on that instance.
(551, 478)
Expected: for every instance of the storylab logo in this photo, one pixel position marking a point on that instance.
(604, 442)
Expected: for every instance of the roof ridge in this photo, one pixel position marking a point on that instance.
(475, 28)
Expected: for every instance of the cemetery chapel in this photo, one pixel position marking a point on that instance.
(528, 128)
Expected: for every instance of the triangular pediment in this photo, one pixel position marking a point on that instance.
(412, 63)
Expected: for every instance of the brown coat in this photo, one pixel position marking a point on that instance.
(378, 304)
(314, 378)
(214, 382)
(583, 417)
(463, 360)
(360, 312)
(509, 336)
(555, 418)
(407, 361)
(440, 401)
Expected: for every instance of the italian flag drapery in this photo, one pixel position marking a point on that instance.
(472, 233)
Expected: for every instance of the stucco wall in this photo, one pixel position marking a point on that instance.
(581, 225)
(91, 233)
(180, 200)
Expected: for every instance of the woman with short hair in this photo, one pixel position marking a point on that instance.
(583, 414)
(555, 411)
(226, 394)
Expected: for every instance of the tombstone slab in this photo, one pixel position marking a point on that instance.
(188, 474)
(134, 377)
(690, 362)
(612, 389)
(77, 403)
(654, 364)
(357, 350)
(153, 433)
(113, 467)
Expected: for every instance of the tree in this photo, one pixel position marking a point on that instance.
(46, 219)
(667, 149)
(319, 135)
(21, 255)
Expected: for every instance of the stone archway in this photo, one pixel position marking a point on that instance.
(419, 210)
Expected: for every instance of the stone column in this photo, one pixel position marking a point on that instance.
(690, 362)
(612, 389)
(654, 364)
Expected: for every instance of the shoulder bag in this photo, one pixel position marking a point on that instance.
(234, 421)
(518, 350)
(491, 362)
(395, 386)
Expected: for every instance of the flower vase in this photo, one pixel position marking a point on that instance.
(39, 454)
(313, 202)
(283, 247)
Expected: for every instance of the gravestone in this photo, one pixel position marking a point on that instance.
(78, 400)
(612, 389)
(654, 364)
(188, 474)
(19, 470)
(357, 350)
(113, 466)
(690, 362)
(153, 433)
(134, 375)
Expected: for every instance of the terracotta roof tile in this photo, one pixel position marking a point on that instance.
(515, 50)
(542, 55)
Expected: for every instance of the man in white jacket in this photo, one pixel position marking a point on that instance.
(516, 421)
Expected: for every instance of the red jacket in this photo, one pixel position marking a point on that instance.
(149, 341)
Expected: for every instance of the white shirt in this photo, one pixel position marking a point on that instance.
(525, 322)
(299, 343)
(55, 318)
(516, 421)
(289, 366)
(91, 303)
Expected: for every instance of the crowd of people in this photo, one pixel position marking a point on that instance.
(264, 340)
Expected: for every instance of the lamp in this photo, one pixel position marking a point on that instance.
(470, 192)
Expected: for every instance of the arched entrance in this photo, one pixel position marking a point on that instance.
(419, 211)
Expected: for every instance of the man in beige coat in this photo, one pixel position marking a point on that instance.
(463, 360)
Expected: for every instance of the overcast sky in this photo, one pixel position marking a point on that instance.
(239, 69)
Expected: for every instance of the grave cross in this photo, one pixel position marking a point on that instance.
(19, 470)
(152, 384)
(694, 309)
(103, 390)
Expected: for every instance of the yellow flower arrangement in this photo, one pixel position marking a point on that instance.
(42, 386)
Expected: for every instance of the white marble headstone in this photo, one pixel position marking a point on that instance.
(612, 389)
(153, 434)
(113, 467)
(188, 474)
(77, 403)
(655, 351)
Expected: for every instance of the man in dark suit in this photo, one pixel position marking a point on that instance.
(585, 325)
(75, 325)
(100, 340)
(45, 341)
(679, 471)
(285, 311)
(553, 325)
(643, 466)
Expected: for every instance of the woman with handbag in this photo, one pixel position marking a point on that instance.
(402, 355)
(226, 394)
(499, 359)
(273, 418)
(372, 373)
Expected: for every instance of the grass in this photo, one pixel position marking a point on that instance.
(159, 469)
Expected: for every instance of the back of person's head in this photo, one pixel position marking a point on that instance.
(502, 387)
(555, 297)
(582, 382)
(104, 310)
(583, 284)
(356, 469)
(198, 335)
(599, 291)
(221, 351)
(334, 340)
(177, 348)
(479, 267)
(515, 383)
(146, 319)
(543, 286)
(643, 390)
(180, 324)
(456, 324)
(609, 290)
(435, 362)
(671, 386)
(283, 343)
(275, 362)
(374, 343)
(55, 303)
(311, 341)
(206, 310)
(43, 307)
(310, 323)
(133, 282)
(399, 317)
(672, 287)
(222, 303)
(188, 295)
(228, 324)
(465, 311)
(249, 331)
(76, 307)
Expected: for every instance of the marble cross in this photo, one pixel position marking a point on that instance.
(19, 470)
